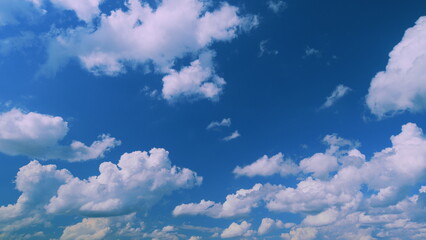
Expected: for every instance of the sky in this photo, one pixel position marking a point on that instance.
(202, 119)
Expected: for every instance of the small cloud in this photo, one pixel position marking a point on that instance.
(312, 52)
(277, 6)
(226, 122)
(339, 92)
(234, 135)
(263, 50)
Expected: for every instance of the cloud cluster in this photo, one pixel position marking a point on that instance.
(332, 196)
(144, 35)
(37, 136)
(137, 182)
(266, 166)
(237, 230)
(402, 86)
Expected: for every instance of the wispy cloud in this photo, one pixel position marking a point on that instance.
(309, 51)
(277, 6)
(263, 49)
(226, 122)
(339, 92)
(234, 135)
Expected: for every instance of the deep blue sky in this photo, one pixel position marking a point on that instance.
(273, 100)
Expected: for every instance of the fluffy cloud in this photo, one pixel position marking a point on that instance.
(402, 86)
(143, 35)
(240, 203)
(37, 135)
(269, 224)
(237, 230)
(85, 10)
(138, 181)
(226, 122)
(266, 166)
(104, 228)
(338, 93)
(339, 206)
(196, 80)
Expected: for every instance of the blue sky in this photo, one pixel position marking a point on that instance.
(190, 119)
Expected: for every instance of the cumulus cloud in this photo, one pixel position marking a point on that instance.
(85, 10)
(237, 230)
(336, 205)
(226, 122)
(196, 80)
(138, 181)
(143, 35)
(240, 203)
(233, 136)
(37, 136)
(402, 86)
(269, 224)
(338, 93)
(266, 166)
(276, 5)
(104, 228)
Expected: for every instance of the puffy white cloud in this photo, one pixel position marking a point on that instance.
(276, 5)
(338, 93)
(138, 181)
(38, 184)
(269, 224)
(226, 122)
(144, 35)
(86, 10)
(237, 230)
(233, 136)
(266, 166)
(236, 204)
(402, 86)
(37, 135)
(324, 218)
(306, 233)
(104, 228)
(196, 80)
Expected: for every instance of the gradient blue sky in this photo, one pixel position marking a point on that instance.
(306, 96)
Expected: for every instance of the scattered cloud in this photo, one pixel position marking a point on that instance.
(338, 93)
(196, 80)
(402, 86)
(269, 224)
(226, 122)
(266, 166)
(234, 135)
(277, 5)
(237, 230)
(263, 49)
(333, 200)
(312, 52)
(37, 136)
(138, 181)
(141, 35)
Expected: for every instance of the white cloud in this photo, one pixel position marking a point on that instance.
(266, 166)
(196, 80)
(269, 224)
(301, 234)
(237, 230)
(323, 218)
(240, 203)
(166, 233)
(141, 35)
(276, 5)
(86, 10)
(312, 52)
(138, 181)
(338, 93)
(14, 11)
(104, 228)
(37, 135)
(234, 135)
(402, 86)
(226, 122)
(263, 49)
